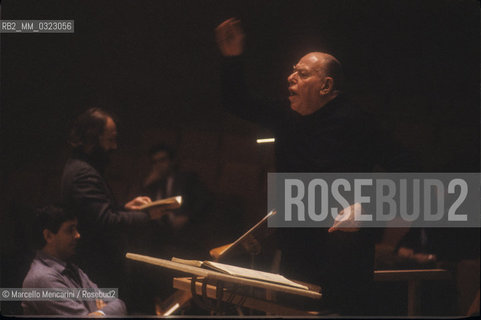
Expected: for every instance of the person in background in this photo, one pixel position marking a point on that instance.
(103, 222)
(181, 233)
(166, 180)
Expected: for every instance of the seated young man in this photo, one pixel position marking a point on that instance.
(51, 268)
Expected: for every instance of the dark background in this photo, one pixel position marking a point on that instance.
(413, 64)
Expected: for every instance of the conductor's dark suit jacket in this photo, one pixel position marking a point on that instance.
(102, 222)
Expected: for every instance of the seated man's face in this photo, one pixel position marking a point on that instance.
(65, 240)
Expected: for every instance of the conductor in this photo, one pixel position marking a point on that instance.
(317, 130)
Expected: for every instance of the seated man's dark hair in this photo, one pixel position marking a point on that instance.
(88, 127)
(50, 218)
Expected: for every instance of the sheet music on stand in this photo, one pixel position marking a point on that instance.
(215, 275)
(241, 272)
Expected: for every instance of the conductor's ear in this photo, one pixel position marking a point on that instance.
(327, 86)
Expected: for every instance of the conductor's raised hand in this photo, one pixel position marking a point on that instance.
(230, 37)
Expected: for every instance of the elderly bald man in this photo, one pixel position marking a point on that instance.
(316, 130)
(314, 82)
